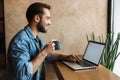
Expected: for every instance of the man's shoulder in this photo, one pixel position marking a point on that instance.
(20, 38)
(22, 35)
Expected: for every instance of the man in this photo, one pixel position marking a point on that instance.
(27, 53)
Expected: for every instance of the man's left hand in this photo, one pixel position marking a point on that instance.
(73, 58)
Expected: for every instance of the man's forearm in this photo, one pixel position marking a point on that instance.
(71, 58)
(38, 60)
(58, 56)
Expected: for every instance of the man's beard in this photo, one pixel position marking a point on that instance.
(41, 28)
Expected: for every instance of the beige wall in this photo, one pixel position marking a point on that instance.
(71, 21)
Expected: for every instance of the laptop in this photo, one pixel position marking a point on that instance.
(91, 57)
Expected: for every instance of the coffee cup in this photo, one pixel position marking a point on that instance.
(57, 44)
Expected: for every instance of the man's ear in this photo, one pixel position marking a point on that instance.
(36, 18)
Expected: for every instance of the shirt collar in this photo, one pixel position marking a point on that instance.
(29, 32)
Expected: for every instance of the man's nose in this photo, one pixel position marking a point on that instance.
(49, 23)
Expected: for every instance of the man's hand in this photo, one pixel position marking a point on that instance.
(73, 58)
(38, 60)
(70, 58)
(50, 48)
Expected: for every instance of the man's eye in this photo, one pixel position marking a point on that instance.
(48, 18)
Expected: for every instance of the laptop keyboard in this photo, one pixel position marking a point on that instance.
(84, 64)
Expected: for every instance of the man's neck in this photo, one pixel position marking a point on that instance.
(34, 31)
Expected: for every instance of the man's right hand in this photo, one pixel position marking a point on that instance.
(50, 48)
(38, 60)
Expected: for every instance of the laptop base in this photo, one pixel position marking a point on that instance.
(74, 66)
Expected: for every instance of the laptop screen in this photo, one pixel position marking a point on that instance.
(93, 52)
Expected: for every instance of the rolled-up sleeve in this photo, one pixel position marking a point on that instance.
(29, 67)
(20, 57)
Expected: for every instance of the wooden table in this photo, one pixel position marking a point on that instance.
(101, 73)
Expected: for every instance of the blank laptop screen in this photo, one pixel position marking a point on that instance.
(93, 52)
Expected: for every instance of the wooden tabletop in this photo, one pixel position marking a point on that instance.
(101, 73)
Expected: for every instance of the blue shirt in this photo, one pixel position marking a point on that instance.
(22, 49)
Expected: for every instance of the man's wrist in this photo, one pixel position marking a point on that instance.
(60, 57)
(43, 53)
(64, 57)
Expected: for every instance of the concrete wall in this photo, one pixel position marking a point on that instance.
(71, 21)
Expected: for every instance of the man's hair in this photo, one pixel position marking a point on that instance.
(36, 9)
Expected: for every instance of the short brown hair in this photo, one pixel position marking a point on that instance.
(36, 9)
